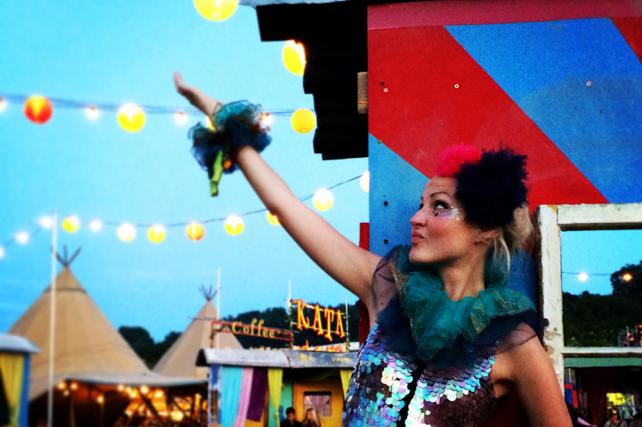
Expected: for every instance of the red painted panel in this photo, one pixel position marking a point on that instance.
(474, 12)
(631, 30)
(426, 93)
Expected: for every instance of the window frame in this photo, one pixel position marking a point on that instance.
(551, 221)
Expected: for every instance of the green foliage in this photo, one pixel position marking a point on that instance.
(631, 287)
(145, 346)
(592, 320)
(598, 320)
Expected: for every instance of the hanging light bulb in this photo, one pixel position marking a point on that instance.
(71, 224)
(131, 117)
(627, 277)
(38, 109)
(156, 233)
(2, 252)
(364, 181)
(4, 104)
(181, 118)
(92, 112)
(216, 10)
(96, 225)
(234, 225)
(266, 120)
(126, 232)
(22, 237)
(323, 200)
(195, 231)
(303, 120)
(272, 219)
(583, 277)
(46, 222)
(293, 55)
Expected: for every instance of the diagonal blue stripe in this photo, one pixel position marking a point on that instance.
(579, 81)
(395, 195)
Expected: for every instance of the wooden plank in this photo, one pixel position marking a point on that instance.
(600, 216)
(551, 287)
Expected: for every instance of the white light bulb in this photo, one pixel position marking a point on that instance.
(181, 118)
(364, 181)
(46, 222)
(22, 237)
(583, 277)
(92, 112)
(96, 225)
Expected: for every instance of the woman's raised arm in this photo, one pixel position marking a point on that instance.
(346, 262)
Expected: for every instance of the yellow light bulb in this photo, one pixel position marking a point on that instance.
(323, 200)
(272, 219)
(156, 234)
(195, 231)
(293, 55)
(71, 224)
(131, 117)
(303, 120)
(234, 225)
(216, 10)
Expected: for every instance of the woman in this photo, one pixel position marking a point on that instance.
(447, 339)
(311, 418)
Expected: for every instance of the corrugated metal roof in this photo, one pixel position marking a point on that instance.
(16, 344)
(294, 359)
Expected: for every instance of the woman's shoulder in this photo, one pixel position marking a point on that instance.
(522, 334)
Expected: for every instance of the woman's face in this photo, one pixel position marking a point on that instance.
(439, 232)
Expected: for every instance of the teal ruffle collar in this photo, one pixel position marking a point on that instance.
(444, 327)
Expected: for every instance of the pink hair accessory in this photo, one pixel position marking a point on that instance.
(452, 158)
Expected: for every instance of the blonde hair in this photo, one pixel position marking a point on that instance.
(510, 238)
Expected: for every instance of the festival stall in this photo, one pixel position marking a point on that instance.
(15, 362)
(254, 387)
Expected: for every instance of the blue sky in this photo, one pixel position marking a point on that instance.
(121, 51)
(597, 253)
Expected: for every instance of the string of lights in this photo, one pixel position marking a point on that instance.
(322, 200)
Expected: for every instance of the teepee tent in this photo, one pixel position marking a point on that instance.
(87, 348)
(180, 358)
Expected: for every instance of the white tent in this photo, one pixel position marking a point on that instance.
(180, 358)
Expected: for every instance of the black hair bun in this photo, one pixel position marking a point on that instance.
(490, 190)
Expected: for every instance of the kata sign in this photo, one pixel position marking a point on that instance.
(325, 321)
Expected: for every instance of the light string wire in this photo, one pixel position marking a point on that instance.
(37, 229)
(149, 109)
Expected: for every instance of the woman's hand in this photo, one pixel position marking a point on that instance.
(195, 96)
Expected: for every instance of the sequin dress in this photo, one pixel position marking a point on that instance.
(390, 388)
